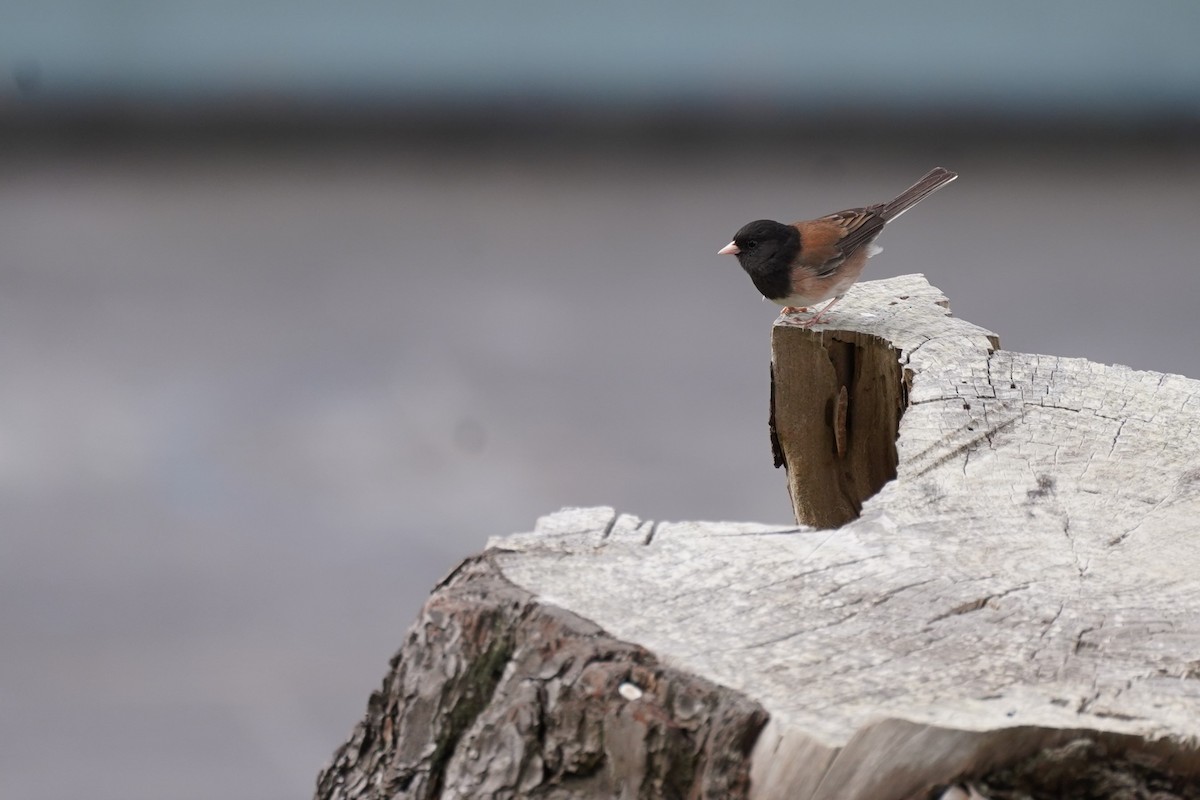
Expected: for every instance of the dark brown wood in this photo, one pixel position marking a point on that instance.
(837, 398)
(495, 695)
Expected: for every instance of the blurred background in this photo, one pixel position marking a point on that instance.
(300, 302)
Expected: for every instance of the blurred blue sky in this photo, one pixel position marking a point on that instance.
(1025, 57)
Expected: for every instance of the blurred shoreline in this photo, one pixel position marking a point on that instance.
(26, 126)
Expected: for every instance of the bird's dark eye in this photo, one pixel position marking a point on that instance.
(750, 245)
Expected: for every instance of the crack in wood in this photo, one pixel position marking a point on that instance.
(1080, 644)
(912, 351)
(839, 422)
(1053, 619)
(977, 604)
(970, 444)
(823, 568)
(800, 529)
(1086, 702)
(1035, 654)
(789, 636)
(888, 595)
(608, 529)
(1080, 566)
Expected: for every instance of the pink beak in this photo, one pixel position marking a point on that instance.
(730, 249)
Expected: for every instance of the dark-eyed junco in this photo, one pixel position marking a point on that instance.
(804, 263)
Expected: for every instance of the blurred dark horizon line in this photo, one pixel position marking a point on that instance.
(103, 122)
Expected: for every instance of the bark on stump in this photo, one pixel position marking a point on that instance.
(1029, 582)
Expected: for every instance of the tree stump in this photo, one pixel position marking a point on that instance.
(998, 556)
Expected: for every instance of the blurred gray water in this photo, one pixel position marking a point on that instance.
(256, 401)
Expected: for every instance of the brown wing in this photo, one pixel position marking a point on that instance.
(826, 242)
(861, 226)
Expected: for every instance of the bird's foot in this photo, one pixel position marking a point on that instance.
(789, 310)
(808, 323)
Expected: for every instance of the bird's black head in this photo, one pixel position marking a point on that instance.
(765, 249)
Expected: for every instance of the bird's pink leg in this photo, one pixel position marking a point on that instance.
(792, 310)
(817, 317)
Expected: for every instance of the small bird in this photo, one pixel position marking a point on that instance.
(804, 263)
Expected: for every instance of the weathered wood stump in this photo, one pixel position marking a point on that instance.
(1017, 568)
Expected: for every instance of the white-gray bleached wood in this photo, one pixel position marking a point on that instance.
(1033, 571)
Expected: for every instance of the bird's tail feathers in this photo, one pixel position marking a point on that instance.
(935, 179)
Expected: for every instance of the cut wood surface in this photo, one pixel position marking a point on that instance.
(1030, 575)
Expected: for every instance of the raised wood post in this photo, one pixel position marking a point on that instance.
(838, 392)
(1016, 576)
